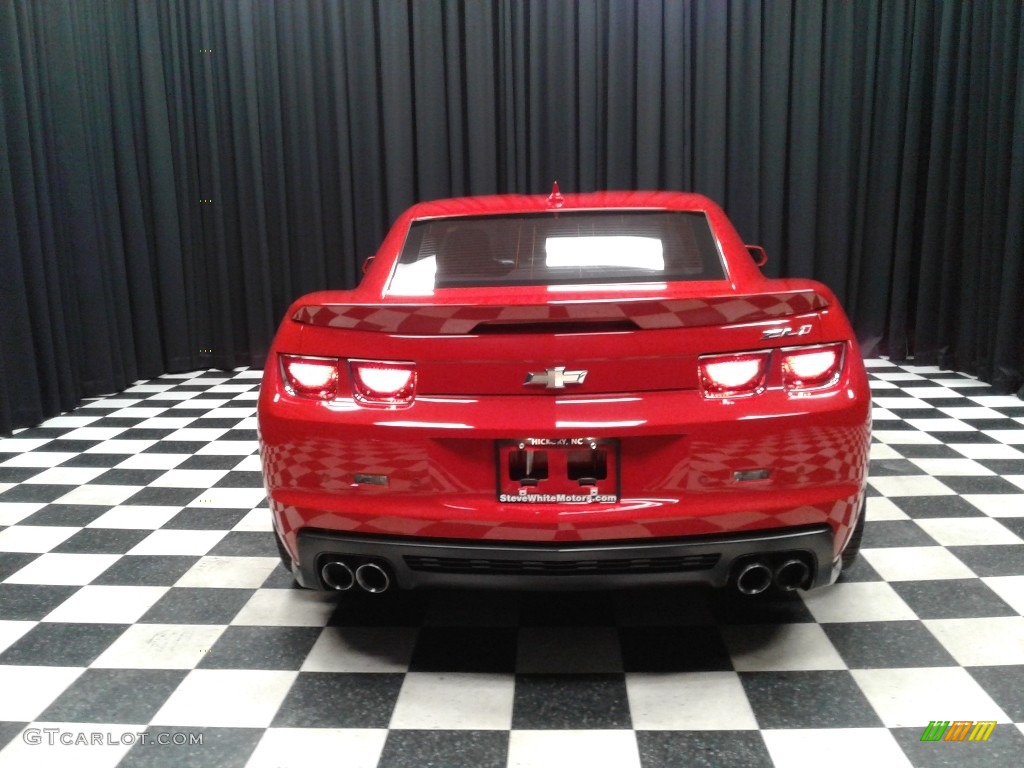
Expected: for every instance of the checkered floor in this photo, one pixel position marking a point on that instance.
(141, 601)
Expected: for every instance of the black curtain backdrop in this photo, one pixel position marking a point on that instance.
(174, 173)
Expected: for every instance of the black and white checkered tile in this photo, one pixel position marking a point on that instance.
(141, 602)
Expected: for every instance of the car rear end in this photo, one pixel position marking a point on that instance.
(594, 420)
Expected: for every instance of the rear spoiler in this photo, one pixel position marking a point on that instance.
(647, 314)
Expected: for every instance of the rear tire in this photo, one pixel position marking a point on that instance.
(286, 559)
(853, 546)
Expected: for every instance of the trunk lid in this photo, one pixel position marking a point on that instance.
(595, 347)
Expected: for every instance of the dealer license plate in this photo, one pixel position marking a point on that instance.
(563, 470)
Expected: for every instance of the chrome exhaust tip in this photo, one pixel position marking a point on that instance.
(372, 578)
(791, 575)
(337, 575)
(754, 578)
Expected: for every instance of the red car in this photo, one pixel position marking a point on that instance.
(566, 391)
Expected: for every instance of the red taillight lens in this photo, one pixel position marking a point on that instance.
(811, 367)
(383, 383)
(314, 377)
(736, 375)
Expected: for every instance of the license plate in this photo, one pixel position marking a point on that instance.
(564, 470)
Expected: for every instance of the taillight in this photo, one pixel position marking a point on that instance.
(383, 383)
(313, 377)
(735, 375)
(808, 368)
(801, 369)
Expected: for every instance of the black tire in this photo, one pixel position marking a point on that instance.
(853, 546)
(286, 559)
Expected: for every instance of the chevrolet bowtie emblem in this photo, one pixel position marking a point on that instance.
(555, 378)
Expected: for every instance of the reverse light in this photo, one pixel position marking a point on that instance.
(807, 368)
(735, 375)
(383, 383)
(312, 377)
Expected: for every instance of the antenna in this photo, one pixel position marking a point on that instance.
(555, 199)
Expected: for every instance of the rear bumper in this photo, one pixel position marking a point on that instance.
(714, 560)
(687, 468)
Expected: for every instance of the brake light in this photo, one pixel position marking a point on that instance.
(811, 367)
(313, 377)
(741, 374)
(736, 375)
(383, 383)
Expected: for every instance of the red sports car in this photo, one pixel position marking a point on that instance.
(566, 391)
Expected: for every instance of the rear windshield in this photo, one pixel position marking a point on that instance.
(577, 247)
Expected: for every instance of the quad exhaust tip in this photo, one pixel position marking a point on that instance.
(757, 576)
(754, 578)
(372, 578)
(337, 575)
(791, 575)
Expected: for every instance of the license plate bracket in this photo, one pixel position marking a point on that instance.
(576, 470)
